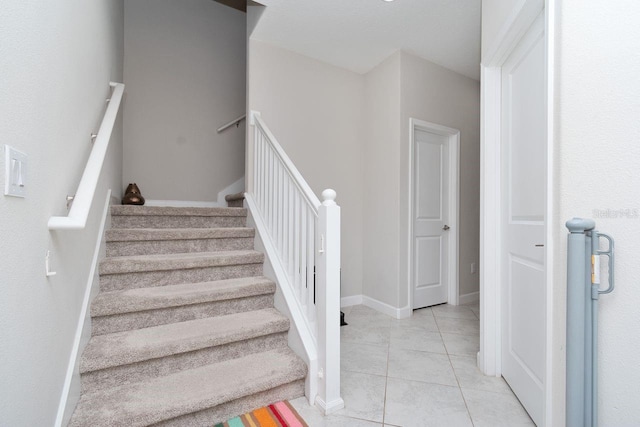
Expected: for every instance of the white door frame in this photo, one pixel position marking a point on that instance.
(489, 357)
(454, 191)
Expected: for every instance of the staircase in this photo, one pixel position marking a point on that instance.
(184, 332)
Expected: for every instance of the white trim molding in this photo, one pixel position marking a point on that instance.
(351, 300)
(454, 214)
(234, 188)
(71, 388)
(389, 310)
(524, 14)
(469, 298)
(384, 308)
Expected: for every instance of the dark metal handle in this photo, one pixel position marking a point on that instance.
(446, 227)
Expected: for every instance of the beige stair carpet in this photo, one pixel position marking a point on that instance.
(184, 332)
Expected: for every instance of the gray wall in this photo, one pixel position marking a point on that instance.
(184, 67)
(404, 87)
(381, 190)
(57, 59)
(315, 111)
(350, 132)
(437, 95)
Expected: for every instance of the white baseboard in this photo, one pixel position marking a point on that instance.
(397, 313)
(234, 188)
(469, 298)
(182, 204)
(389, 310)
(352, 300)
(70, 394)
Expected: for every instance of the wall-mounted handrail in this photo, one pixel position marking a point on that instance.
(232, 122)
(302, 240)
(77, 217)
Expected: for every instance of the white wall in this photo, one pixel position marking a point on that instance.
(596, 157)
(498, 15)
(56, 59)
(598, 150)
(494, 15)
(184, 69)
(315, 111)
(381, 185)
(437, 95)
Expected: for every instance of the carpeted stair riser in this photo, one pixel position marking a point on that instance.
(168, 217)
(162, 316)
(145, 241)
(141, 371)
(184, 332)
(236, 407)
(143, 299)
(141, 263)
(161, 270)
(130, 210)
(190, 391)
(114, 282)
(177, 221)
(115, 249)
(122, 348)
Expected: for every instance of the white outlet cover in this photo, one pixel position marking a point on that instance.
(15, 172)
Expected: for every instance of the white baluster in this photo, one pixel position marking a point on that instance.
(296, 245)
(263, 176)
(285, 211)
(271, 195)
(281, 210)
(291, 229)
(256, 162)
(304, 294)
(311, 279)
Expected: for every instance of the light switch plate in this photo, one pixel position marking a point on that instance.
(15, 172)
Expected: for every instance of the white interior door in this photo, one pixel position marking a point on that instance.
(430, 216)
(524, 205)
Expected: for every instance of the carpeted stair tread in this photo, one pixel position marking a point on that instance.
(129, 210)
(163, 262)
(122, 348)
(154, 234)
(140, 299)
(234, 197)
(167, 397)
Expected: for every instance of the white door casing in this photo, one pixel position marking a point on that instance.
(524, 190)
(433, 239)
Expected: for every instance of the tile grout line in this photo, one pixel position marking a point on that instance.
(454, 372)
(386, 379)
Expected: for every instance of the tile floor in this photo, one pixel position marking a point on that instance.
(419, 372)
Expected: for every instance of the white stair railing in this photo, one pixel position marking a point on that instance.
(302, 240)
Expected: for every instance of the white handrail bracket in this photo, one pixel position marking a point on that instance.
(79, 212)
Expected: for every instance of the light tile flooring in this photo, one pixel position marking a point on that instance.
(419, 371)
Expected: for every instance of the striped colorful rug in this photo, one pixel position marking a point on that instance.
(280, 414)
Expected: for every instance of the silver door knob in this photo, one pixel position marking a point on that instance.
(446, 227)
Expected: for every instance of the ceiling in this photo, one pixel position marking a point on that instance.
(360, 34)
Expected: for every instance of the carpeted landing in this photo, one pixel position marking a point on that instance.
(184, 332)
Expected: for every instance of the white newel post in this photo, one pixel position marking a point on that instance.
(328, 303)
